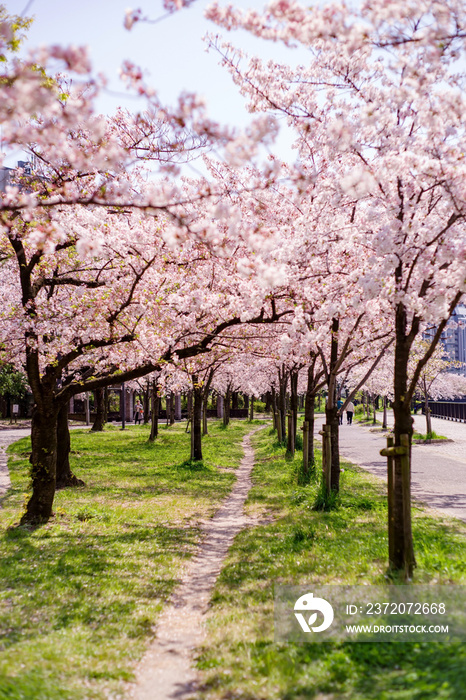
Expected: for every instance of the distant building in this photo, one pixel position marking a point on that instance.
(5, 176)
(453, 337)
(7, 173)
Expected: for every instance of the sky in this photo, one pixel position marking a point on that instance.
(171, 51)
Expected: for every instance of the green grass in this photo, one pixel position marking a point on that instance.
(296, 544)
(79, 595)
(428, 436)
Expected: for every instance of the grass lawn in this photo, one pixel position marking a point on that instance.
(79, 595)
(295, 544)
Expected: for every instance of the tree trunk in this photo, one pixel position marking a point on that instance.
(294, 402)
(403, 554)
(154, 427)
(204, 415)
(146, 403)
(65, 476)
(427, 409)
(251, 408)
(331, 414)
(384, 422)
(234, 400)
(106, 405)
(226, 408)
(99, 423)
(43, 463)
(178, 406)
(290, 445)
(268, 402)
(172, 409)
(283, 382)
(274, 409)
(196, 425)
(309, 411)
(331, 410)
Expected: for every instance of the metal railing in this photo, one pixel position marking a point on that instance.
(449, 410)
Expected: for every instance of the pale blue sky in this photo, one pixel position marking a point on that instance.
(172, 50)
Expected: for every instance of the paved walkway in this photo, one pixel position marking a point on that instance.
(8, 436)
(438, 470)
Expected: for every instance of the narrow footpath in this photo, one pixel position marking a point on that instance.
(166, 672)
(438, 470)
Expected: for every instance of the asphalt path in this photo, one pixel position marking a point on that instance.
(438, 476)
(8, 436)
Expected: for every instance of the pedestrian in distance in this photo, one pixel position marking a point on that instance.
(137, 412)
(349, 413)
(340, 412)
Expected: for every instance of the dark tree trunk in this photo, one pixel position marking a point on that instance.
(268, 402)
(154, 427)
(403, 553)
(331, 410)
(65, 476)
(172, 409)
(196, 425)
(234, 400)
(146, 403)
(294, 402)
(226, 408)
(204, 415)
(283, 382)
(309, 414)
(251, 408)
(427, 410)
(99, 421)
(106, 404)
(43, 462)
(274, 409)
(331, 417)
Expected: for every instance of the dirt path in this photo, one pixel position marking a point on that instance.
(165, 672)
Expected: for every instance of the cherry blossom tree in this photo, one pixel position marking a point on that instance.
(382, 99)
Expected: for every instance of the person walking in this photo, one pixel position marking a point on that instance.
(349, 413)
(137, 412)
(340, 412)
